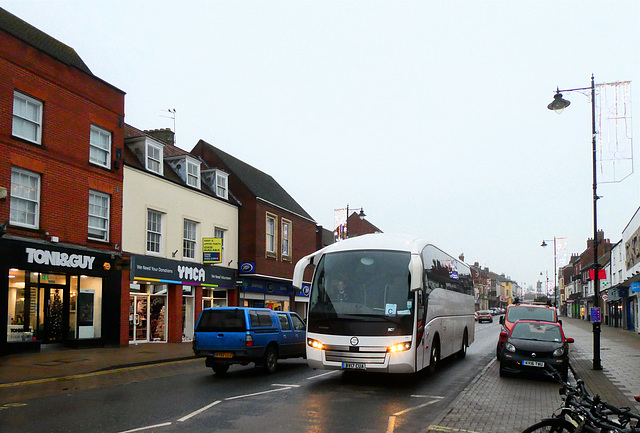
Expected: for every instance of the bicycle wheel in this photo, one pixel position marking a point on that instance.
(555, 425)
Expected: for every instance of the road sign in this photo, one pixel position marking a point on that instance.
(595, 314)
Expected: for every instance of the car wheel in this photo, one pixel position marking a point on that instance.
(220, 368)
(271, 360)
(434, 356)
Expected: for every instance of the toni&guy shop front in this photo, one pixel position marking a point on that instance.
(56, 293)
(166, 297)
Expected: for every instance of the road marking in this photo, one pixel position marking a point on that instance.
(427, 396)
(149, 427)
(199, 411)
(402, 412)
(448, 429)
(256, 393)
(391, 425)
(281, 384)
(323, 374)
(95, 373)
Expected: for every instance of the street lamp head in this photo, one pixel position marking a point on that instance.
(544, 244)
(559, 104)
(361, 214)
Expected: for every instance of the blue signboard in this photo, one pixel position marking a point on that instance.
(595, 315)
(635, 287)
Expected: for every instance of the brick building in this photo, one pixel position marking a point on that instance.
(274, 233)
(61, 134)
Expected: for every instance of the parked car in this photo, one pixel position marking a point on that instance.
(532, 346)
(517, 311)
(485, 316)
(239, 335)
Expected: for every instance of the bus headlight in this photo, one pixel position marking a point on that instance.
(399, 347)
(315, 344)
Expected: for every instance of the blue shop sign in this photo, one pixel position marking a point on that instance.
(265, 286)
(635, 287)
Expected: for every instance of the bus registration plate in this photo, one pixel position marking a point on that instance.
(533, 363)
(354, 366)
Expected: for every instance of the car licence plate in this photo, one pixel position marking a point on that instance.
(533, 363)
(223, 355)
(354, 366)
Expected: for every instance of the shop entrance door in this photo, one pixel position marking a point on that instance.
(138, 318)
(53, 319)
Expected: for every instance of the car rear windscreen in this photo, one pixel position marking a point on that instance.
(222, 321)
(530, 313)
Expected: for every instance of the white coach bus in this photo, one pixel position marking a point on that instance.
(386, 303)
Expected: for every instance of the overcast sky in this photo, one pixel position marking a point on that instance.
(431, 115)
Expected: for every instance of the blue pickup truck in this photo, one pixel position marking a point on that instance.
(240, 335)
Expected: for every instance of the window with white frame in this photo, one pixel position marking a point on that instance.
(286, 239)
(189, 239)
(25, 198)
(220, 234)
(193, 174)
(271, 235)
(154, 157)
(154, 231)
(222, 182)
(99, 216)
(100, 147)
(27, 118)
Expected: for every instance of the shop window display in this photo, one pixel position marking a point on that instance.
(214, 298)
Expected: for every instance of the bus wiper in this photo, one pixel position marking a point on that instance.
(374, 316)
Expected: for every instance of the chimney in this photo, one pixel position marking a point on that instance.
(166, 135)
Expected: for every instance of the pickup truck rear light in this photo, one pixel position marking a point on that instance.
(248, 340)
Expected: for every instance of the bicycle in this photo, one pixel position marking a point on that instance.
(582, 413)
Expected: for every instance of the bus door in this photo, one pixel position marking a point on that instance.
(420, 318)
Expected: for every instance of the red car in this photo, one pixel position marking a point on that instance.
(515, 312)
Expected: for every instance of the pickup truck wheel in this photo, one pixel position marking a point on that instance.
(220, 368)
(271, 360)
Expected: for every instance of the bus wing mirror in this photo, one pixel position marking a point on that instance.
(415, 270)
(298, 271)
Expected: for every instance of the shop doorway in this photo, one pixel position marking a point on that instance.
(53, 319)
(138, 318)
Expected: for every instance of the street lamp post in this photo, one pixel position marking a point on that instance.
(558, 105)
(361, 214)
(555, 270)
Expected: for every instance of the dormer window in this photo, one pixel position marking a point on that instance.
(193, 174)
(154, 157)
(222, 182)
(218, 181)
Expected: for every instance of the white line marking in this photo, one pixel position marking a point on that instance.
(427, 396)
(416, 407)
(323, 374)
(256, 393)
(282, 384)
(192, 414)
(147, 427)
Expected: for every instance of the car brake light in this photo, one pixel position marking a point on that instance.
(249, 340)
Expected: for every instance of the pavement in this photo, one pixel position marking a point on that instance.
(489, 404)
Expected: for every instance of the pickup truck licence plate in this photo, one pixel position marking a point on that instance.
(533, 363)
(354, 366)
(223, 355)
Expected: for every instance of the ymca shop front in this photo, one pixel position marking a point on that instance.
(165, 298)
(56, 294)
